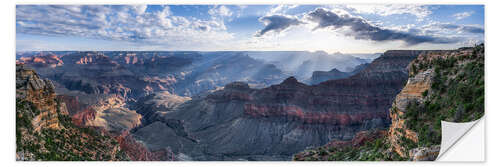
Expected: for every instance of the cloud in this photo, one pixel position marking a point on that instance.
(277, 23)
(122, 23)
(362, 29)
(463, 15)
(140, 9)
(419, 11)
(281, 9)
(220, 11)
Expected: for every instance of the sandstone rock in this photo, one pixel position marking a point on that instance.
(41, 94)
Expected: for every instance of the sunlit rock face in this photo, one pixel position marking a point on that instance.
(273, 123)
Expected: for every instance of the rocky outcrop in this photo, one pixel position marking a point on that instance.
(40, 93)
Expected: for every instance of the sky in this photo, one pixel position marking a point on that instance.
(331, 28)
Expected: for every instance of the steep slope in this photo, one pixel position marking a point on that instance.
(44, 130)
(443, 85)
(273, 123)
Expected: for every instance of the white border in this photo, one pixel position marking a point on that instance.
(7, 100)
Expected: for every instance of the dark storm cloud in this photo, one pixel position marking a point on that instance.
(361, 29)
(277, 23)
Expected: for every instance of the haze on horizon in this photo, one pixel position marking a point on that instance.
(330, 28)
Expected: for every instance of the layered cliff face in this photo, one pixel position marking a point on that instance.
(273, 123)
(412, 93)
(44, 130)
(443, 85)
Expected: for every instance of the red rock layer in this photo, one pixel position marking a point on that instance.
(297, 113)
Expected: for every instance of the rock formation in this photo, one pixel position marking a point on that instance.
(40, 93)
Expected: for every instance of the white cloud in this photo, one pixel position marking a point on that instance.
(140, 9)
(220, 11)
(419, 11)
(463, 15)
(280, 9)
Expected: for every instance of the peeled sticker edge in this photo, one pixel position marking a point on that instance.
(452, 132)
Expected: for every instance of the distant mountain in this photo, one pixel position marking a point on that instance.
(370, 56)
(320, 76)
